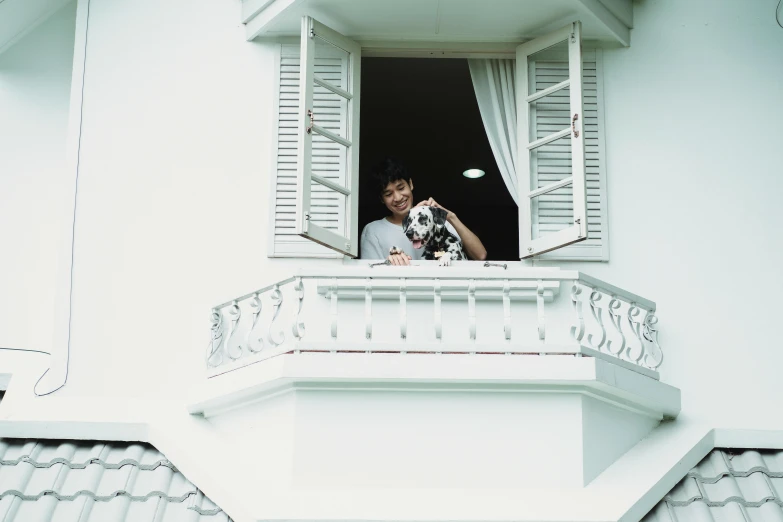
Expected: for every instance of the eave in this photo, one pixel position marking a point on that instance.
(19, 17)
(440, 20)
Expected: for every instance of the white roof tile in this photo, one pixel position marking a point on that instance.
(768, 512)
(712, 467)
(89, 451)
(686, 490)
(82, 480)
(87, 481)
(727, 486)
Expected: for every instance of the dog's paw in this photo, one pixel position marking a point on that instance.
(445, 259)
(394, 251)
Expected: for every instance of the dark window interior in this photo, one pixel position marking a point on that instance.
(424, 112)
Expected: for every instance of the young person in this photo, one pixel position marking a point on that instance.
(395, 188)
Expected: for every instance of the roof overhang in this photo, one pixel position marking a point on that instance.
(442, 20)
(19, 17)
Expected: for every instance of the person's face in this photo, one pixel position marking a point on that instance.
(398, 197)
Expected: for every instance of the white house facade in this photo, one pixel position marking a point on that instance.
(186, 322)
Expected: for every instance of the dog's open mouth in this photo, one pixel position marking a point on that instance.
(417, 243)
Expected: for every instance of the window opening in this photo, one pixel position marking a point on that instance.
(423, 112)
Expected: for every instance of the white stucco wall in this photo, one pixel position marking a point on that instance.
(35, 81)
(172, 174)
(174, 189)
(693, 149)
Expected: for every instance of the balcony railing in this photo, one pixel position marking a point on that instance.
(471, 309)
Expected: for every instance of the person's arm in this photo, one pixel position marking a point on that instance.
(470, 241)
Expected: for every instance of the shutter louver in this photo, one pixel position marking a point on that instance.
(554, 211)
(327, 159)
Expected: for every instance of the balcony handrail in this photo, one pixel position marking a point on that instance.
(425, 272)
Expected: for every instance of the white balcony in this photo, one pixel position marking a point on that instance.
(411, 364)
(429, 309)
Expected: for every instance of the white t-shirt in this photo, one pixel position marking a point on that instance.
(379, 236)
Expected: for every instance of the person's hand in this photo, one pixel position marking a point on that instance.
(432, 203)
(398, 258)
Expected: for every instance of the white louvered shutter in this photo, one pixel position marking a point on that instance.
(329, 210)
(546, 70)
(327, 164)
(551, 148)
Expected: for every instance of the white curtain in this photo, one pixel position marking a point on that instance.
(493, 81)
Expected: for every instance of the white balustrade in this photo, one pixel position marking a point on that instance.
(472, 309)
(506, 310)
(540, 310)
(255, 339)
(437, 308)
(403, 310)
(333, 309)
(367, 308)
(476, 309)
(298, 327)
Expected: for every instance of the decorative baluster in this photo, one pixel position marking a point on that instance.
(578, 330)
(595, 296)
(253, 340)
(234, 352)
(540, 307)
(472, 309)
(636, 329)
(298, 327)
(615, 318)
(214, 355)
(333, 308)
(368, 309)
(277, 301)
(437, 308)
(507, 310)
(403, 310)
(650, 333)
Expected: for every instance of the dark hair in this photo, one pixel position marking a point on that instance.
(388, 171)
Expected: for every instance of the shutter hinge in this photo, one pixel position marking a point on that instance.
(573, 125)
(306, 227)
(311, 115)
(579, 223)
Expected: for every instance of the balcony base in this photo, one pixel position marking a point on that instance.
(347, 421)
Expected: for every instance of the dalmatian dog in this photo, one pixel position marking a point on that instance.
(426, 228)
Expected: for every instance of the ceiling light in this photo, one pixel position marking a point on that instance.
(473, 173)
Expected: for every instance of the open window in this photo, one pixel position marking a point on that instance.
(316, 175)
(552, 184)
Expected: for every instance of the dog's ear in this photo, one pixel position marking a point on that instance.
(406, 220)
(439, 217)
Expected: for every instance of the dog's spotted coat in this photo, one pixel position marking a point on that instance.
(426, 226)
